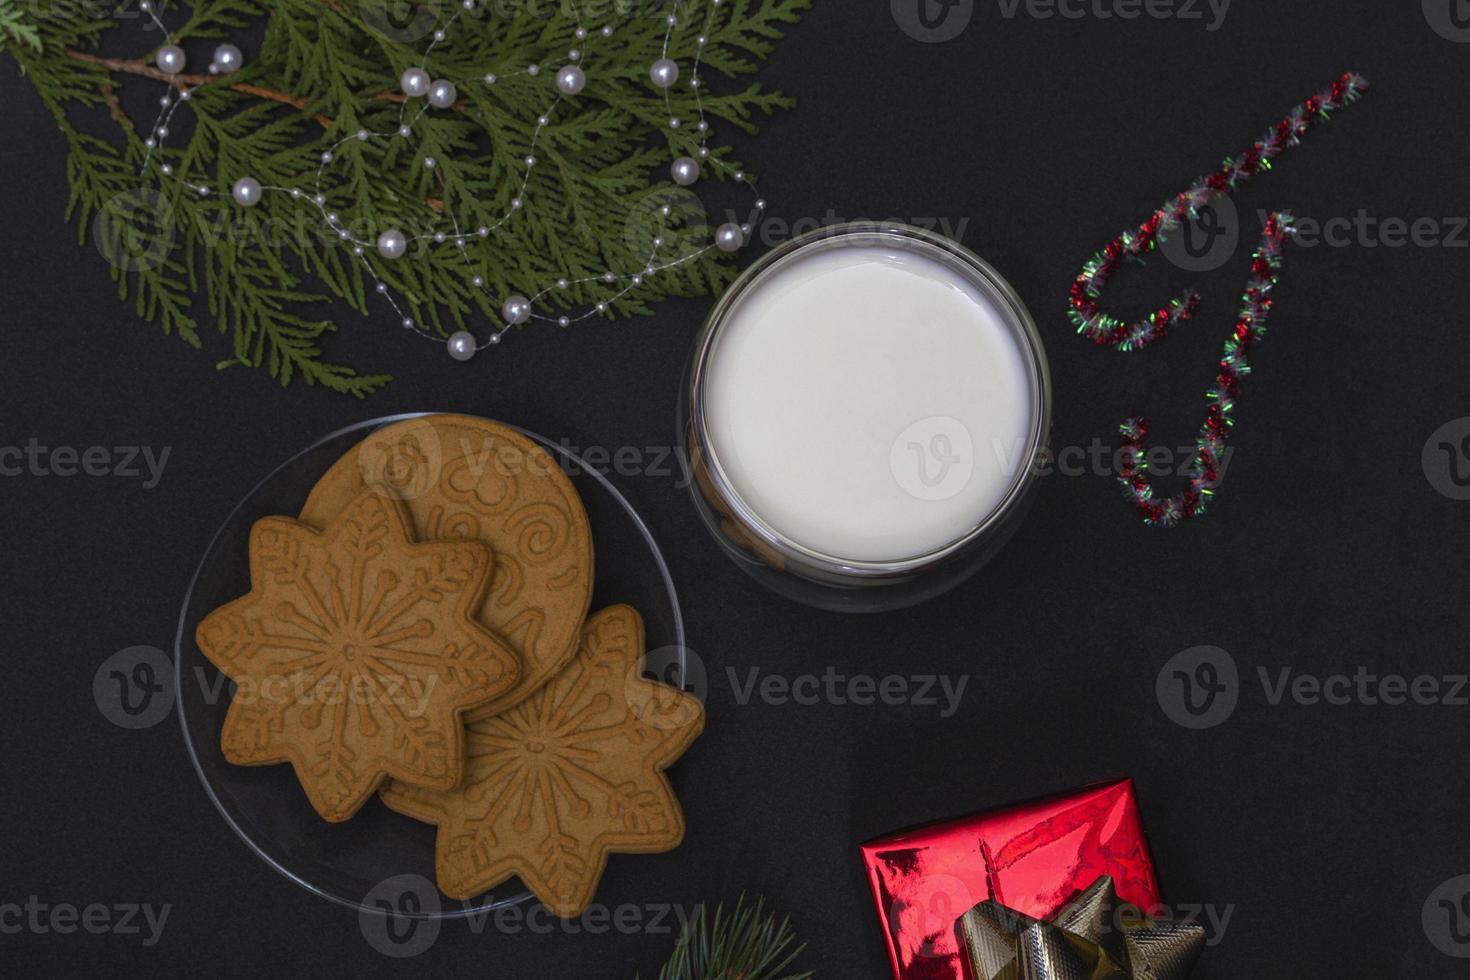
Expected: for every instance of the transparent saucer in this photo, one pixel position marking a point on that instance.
(264, 805)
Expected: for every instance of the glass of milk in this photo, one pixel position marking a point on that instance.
(862, 416)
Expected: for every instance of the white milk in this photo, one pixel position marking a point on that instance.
(869, 403)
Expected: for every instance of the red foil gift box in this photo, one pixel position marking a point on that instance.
(1034, 858)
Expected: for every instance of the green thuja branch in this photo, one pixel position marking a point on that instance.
(16, 29)
(748, 944)
(272, 280)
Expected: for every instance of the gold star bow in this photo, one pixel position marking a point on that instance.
(1096, 937)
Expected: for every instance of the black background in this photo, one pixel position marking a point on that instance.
(1324, 828)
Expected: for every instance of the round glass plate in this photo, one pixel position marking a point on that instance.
(345, 862)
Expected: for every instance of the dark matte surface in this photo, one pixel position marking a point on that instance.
(1325, 828)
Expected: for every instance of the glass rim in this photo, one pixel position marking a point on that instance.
(919, 241)
(464, 910)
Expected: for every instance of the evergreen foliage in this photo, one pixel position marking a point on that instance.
(272, 277)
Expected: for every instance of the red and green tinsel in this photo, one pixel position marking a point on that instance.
(1109, 331)
(1204, 470)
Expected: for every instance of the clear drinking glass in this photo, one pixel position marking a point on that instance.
(824, 580)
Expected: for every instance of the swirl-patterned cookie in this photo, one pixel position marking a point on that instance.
(356, 653)
(562, 780)
(464, 478)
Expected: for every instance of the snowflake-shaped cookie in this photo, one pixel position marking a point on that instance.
(557, 783)
(355, 654)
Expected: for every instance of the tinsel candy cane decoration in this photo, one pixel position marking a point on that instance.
(1109, 331)
(1204, 469)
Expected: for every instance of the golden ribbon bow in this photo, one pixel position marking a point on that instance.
(1096, 937)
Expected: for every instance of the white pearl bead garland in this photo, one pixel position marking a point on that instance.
(415, 83)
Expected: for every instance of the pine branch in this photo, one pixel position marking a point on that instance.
(749, 944)
(325, 70)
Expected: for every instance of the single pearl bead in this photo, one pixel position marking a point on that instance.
(461, 345)
(228, 59)
(392, 244)
(685, 171)
(414, 82)
(246, 192)
(729, 237)
(517, 310)
(664, 72)
(170, 59)
(442, 94)
(571, 80)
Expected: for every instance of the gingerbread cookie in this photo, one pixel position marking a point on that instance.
(465, 478)
(569, 776)
(356, 653)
